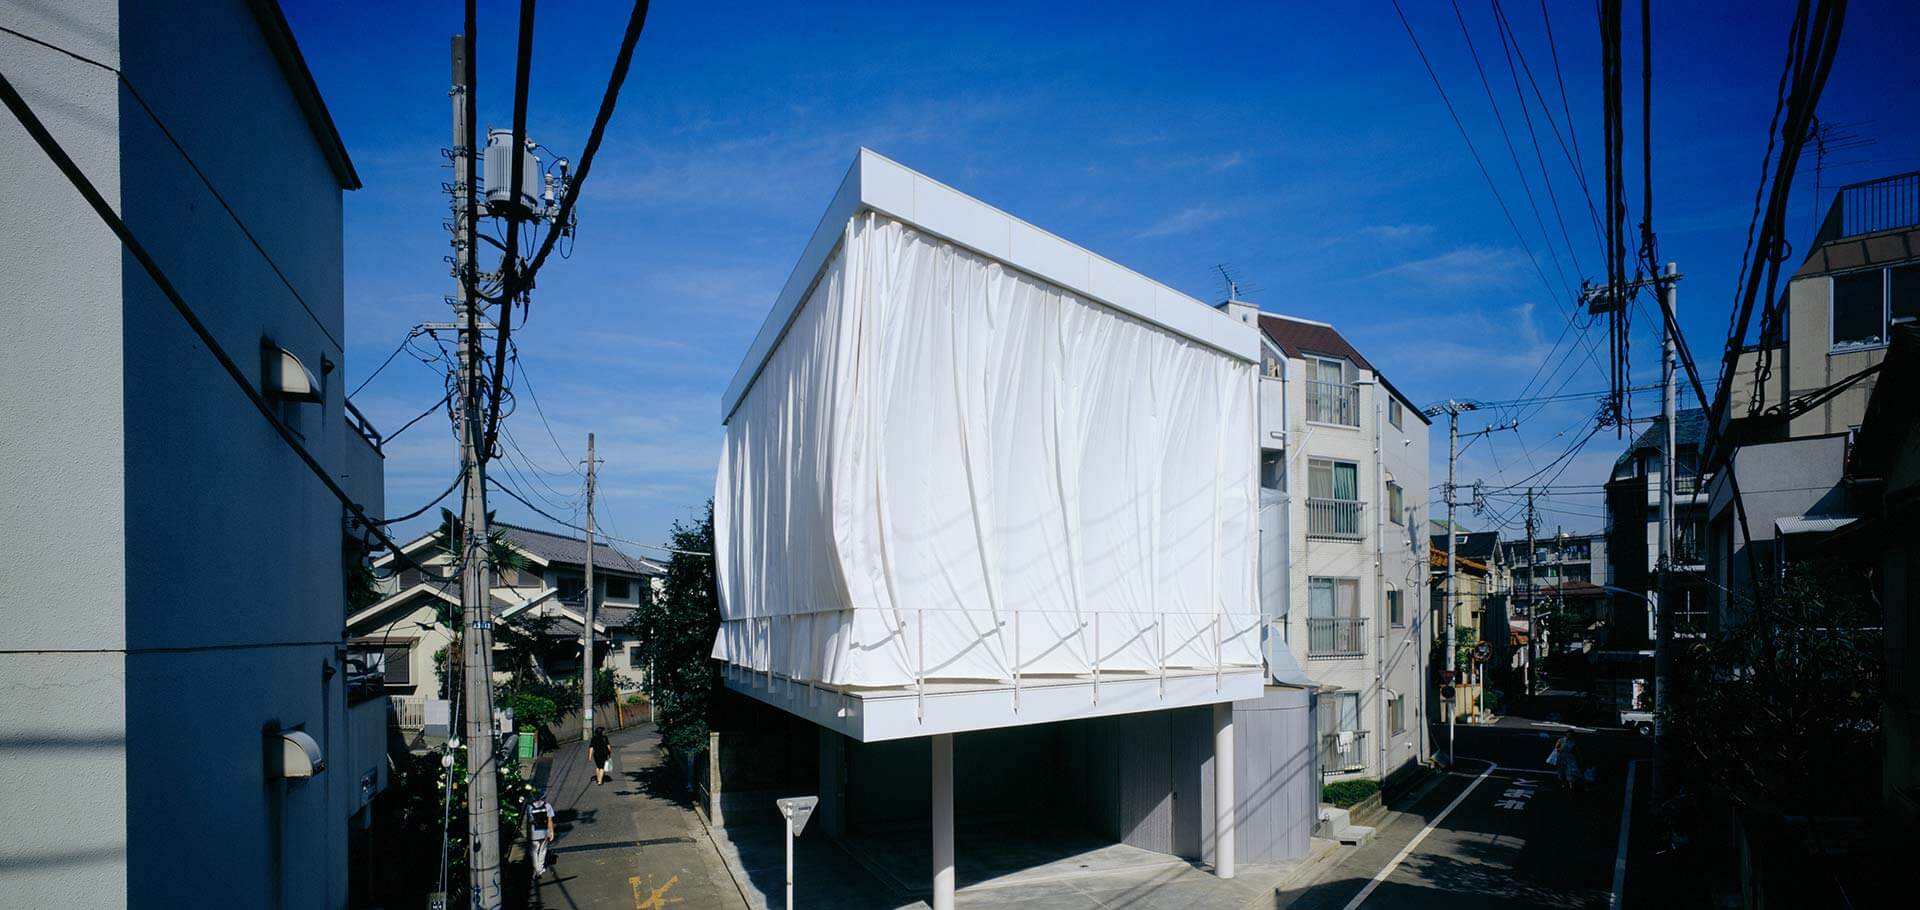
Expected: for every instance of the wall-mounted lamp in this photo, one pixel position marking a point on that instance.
(293, 755)
(286, 377)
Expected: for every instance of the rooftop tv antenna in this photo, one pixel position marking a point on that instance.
(1234, 286)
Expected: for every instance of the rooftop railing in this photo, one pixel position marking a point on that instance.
(1886, 204)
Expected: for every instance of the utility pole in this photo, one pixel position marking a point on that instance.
(483, 800)
(1662, 605)
(587, 667)
(1533, 604)
(1452, 409)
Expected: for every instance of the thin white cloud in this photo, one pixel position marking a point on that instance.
(1187, 219)
(1462, 268)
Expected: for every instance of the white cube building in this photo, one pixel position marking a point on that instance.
(977, 477)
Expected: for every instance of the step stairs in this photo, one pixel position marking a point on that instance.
(1336, 824)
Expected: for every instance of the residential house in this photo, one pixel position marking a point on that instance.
(1802, 393)
(1345, 453)
(1884, 470)
(159, 711)
(1024, 576)
(1479, 612)
(402, 636)
(1633, 533)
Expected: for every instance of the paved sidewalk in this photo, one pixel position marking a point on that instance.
(632, 842)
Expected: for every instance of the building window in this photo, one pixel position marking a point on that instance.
(1397, 714)
(1866, 303)
(619, 588)
(634, 659)
(1396, 609)
(1343, 745)
(1395, 413)
(571, 587)
(1333, 618)
(1333, 499)
(1396, 503)
(1273, 470)
(1330, 397)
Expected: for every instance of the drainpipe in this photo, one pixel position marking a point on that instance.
(1379, 586)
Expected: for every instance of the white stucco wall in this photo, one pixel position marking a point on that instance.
(180, 526)
(62, 466)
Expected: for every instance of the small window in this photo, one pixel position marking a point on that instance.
(634, 658)
(1273, 470)
(571, 587)
(1395, 413)
(1903, 292)
(1396, 503)
(619, 588)
(398, 665)
(1859, 309)
(1396, 609)
(1397, 714)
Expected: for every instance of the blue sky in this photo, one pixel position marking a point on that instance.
(1306, 147)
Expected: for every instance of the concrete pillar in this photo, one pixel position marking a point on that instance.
(1223, 845)
(943, 821)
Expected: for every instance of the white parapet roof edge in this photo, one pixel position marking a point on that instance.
(879, 184)
(901, 713)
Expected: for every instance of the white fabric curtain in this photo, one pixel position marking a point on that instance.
(948, 469)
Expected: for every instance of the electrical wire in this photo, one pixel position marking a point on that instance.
(567, 524)
(105, 211)
(383, 364)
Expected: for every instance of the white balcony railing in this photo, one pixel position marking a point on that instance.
(1336, 636)
(1333, 402)
(409, 711)
(1343, 751)
(1335, 518)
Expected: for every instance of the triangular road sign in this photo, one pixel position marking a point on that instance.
(797, 810)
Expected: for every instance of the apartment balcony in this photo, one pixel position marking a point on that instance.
(1333, 402)
(1336, 636)
(1885, 204)
(1337, 519)
(1343, 752)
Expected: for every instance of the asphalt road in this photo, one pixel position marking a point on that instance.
(1496, 832)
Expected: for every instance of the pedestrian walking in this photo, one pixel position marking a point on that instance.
(540, 831)
(1564, 763)
(601, 751)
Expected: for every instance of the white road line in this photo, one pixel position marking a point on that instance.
(1407, 850)
(1626, 822)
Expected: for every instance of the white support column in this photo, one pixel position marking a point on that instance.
(1223, 842)
(943, 879)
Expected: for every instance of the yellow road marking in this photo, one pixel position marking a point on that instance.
(656, 898)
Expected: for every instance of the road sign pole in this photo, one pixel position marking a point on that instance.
(796, 810)
(789, 864)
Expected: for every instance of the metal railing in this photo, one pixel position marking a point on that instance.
(1343, 751)
(1333, 402)
(409, 711)
(1686, 484)
(1335, 518)
(1181, 640)
(1872, 206)
(1336, 636)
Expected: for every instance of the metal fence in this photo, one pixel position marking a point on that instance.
(1877, 205)
(1343, 751)
(409, 711)
(1333, 402)
(1336, 636)
(1336, 518)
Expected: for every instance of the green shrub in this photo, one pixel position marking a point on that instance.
(1347, 793)
(529, 708)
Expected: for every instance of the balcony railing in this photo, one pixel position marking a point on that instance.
(1343, 751)
(1335, 518)
(1333, 402)
(1885, 204)
(409, 712)
(1336, 636)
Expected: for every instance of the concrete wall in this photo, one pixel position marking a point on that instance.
(1811, 364)
(199, 542)
(62, 465)
(1777, 480)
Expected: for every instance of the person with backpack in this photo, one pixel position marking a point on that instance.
(540, 831)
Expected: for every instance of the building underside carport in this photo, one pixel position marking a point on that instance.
(1009, 805)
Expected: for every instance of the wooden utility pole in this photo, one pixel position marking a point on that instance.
(587, 666)
(476, 637)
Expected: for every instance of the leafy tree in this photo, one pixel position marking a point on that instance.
(409, 816)
(675, 631)
(1781, 711)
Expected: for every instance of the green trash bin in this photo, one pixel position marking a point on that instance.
(526, 744)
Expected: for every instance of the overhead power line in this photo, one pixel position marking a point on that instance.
(570, 525)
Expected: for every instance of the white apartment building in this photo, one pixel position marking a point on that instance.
(1344, 455)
